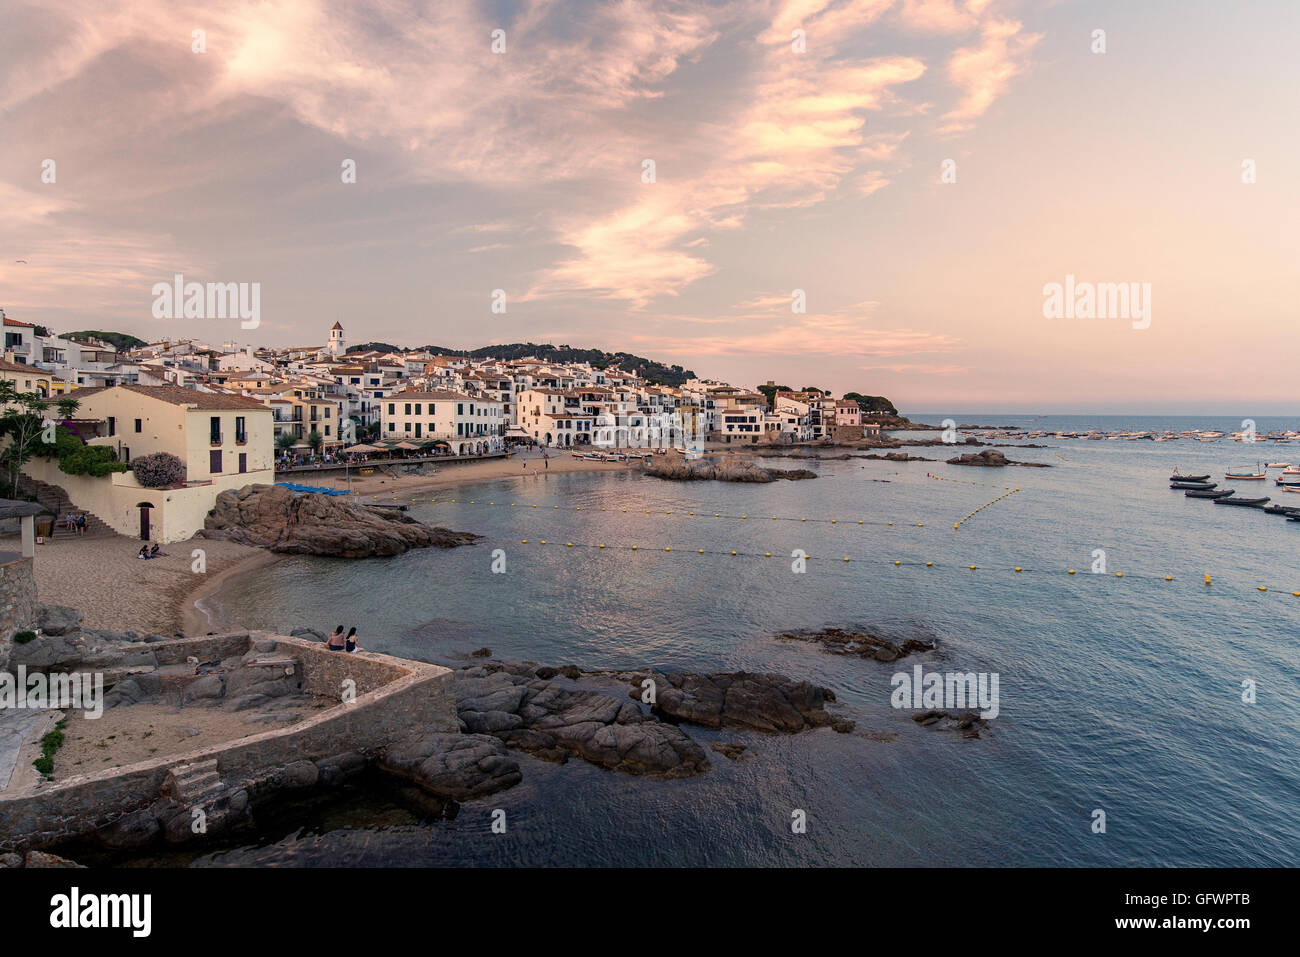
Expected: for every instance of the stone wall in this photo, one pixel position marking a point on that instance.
(17, 603)
(394, 697)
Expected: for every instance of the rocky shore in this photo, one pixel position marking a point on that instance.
(742, 470)
(275, 518)
(838, 641)
(992, 458)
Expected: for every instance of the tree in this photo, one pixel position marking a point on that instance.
(315, 440)
(871, 403)
(770, 392)
(23, 421)
(67, 407)
(284, 441)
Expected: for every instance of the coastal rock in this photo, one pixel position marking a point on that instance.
(764, 702)
(315, 524)
(42, 859)
(742, 470)
(838, 641)
(457, 767)
(730, 749)
(58, 619)
(994, 459)
(969, 723)
(530, 713)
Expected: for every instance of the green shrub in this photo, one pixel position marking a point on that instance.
(24, 636)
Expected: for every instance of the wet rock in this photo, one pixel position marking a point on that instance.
(764, 702)
(730, 749)
(725, 470)
(315, 524)
(457, 767)
(43, 859)
(132, 830)
(839, 641)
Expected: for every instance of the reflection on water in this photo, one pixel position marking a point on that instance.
(1122, 694)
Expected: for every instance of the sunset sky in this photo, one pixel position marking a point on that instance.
(776, 170)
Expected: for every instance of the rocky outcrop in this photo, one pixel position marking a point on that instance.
(456, 767)
(838, 641)
(968, 723)
(314, 524)
(549, 720)
(762, 702)
(994, 459)
(741, 470)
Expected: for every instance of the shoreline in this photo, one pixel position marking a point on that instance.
(195, 621)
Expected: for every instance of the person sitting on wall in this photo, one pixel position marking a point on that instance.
(351, 641)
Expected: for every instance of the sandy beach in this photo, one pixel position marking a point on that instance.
(102, 578)
(378, 488)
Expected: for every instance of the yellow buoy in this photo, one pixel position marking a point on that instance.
(1119, 574)
(633, 548)
(523, 542)
(667, 549)
(600, 546)
(570, 544)
(972, 568)
(701, 551)
(733, 553)
(846, 559)
(1169, 578)
(1262, 588)
(1207, 579)
(929, 564)
(543, 541)
(1071, 571)
(1017, 568)
(767, 554)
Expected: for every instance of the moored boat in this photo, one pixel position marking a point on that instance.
(1244, 502)
(1247, 474)
(1201, 486)
(1176, 477)
(1209, 493)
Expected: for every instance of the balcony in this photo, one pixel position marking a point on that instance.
(241, 438)
(215, 438)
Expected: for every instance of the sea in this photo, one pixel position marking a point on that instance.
(1147, 716)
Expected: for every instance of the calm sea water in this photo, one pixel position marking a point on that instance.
(1119, 694)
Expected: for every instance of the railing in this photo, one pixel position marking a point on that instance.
(215, 438)
(241, 438)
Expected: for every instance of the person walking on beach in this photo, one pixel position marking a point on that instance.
(351, 643)
(81, 525)
(336, 642)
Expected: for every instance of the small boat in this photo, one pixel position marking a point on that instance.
(1291, 487)
(1279, 465)
(1209, 493)
(1287, 510)
(1199, 486)
(1244, 502)
(1247, 474)
(1188, 478)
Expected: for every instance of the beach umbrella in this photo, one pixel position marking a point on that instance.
(407, 446)
(363, 448)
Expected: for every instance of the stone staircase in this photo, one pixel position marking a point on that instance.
(194, 785)
(55, 500)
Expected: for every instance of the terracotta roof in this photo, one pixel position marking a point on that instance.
(176, 395)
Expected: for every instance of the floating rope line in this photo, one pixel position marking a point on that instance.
(984, 506)
(686, 512)
(1016, 571)
(940, 478)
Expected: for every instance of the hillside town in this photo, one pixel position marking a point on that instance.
(237, 414)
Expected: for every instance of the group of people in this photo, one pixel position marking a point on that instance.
(341, 642)
(148, 552)
(75, 523)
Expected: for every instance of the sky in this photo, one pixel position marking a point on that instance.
(858, 195)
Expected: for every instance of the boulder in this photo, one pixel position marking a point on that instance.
(764, 702)
(275, 518)
(724, 470)
(58, 619)
(457, 767)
